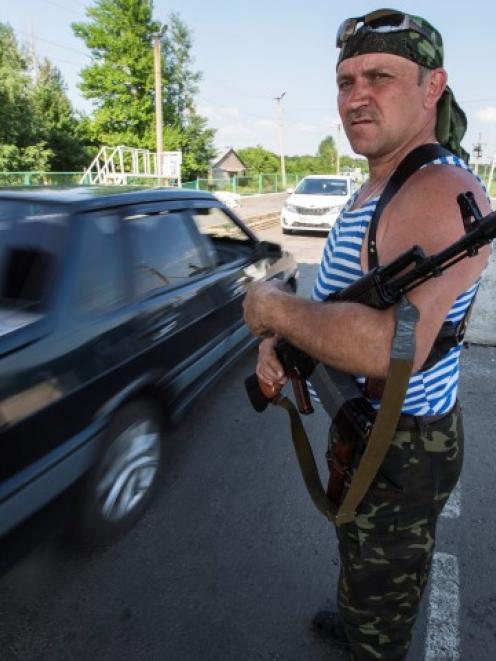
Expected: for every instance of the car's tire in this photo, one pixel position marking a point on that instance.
(122, 482)
(286, 231)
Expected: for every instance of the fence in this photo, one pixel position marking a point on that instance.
(62, 179)
(258, 183)
(40, 178)
(246, 185)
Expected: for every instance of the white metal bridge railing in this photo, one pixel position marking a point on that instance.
(116, 165)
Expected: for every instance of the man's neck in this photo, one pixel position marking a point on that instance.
(382, 167)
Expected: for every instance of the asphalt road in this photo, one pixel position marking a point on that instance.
(233, 560)
(260, 204)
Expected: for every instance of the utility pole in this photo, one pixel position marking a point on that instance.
(477, 152)
(281, 137)
(157, 65)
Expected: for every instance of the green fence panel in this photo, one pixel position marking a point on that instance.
(248, 184)
(190, 185)
(40, 178)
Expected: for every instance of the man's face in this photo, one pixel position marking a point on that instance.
(381, 102)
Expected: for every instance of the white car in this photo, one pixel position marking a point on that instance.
(315, 203)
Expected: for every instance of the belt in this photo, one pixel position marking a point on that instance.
(410, 422)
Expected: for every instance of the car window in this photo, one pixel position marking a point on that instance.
(323, 187)
(32, 240)
(163, 251)
(225, 240)
(100, 282)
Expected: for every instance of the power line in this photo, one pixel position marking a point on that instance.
(53, 43)
(215, 104)
(59, 6)
(79, 2)
(237, 90)
(72, 64)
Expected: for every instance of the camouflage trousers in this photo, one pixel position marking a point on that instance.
(386, 552)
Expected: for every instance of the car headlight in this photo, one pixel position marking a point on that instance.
(290, 207)
(335, 210)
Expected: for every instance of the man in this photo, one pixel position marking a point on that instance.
(392, 98)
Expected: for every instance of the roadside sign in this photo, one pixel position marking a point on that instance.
(171, 164)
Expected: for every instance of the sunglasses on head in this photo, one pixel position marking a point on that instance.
(381, 21)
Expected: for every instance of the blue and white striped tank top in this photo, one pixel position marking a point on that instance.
(432, 391)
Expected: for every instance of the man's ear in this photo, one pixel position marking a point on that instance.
(434, 87)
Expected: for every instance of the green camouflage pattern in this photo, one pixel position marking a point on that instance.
(428, 52)
(386, 552)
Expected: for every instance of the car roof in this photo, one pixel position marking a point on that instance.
(100, 197)
(327, 176)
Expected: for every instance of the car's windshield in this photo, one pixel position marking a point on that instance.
(31, 241)
(322, 187)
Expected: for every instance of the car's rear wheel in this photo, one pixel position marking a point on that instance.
(286, 231)
(122, 482)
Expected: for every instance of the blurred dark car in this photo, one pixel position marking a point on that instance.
(117, 310)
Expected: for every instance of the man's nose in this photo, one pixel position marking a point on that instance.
(358, 95)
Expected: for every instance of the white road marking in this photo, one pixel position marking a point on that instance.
(453, 507)
(443, 638)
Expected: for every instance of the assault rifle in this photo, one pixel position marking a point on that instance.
(381, 288)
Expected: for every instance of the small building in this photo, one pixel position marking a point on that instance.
(226, 164)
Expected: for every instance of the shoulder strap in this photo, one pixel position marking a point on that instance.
(410, 164)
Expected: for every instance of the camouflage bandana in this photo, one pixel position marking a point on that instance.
(451, 123)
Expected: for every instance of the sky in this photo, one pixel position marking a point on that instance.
(251, 52)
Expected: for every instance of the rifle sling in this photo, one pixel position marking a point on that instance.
(306, 460)
(400, 368)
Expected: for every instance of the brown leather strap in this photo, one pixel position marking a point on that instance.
(402, 354)
(306, 460)
(400, 369)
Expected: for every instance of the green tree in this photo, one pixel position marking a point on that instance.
(185, 129)
(181, 82)
(56, 124)
(38, 127)
(37, 157)
(195, 141)
(16, 129)
(10, 158)
(120, 81)
(259, 160)
(304, 164)
(328, 154)
(349, 162)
